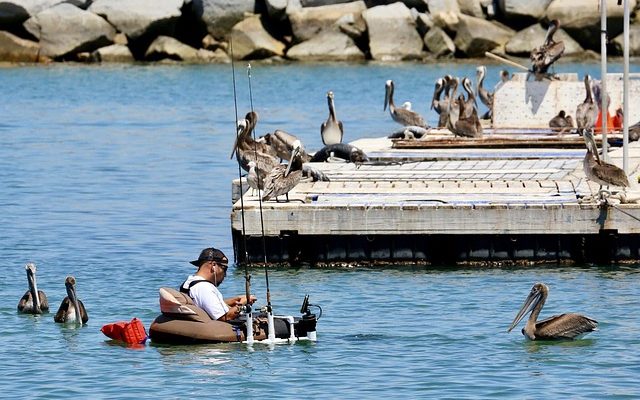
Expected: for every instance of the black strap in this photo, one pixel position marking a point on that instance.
(187, 291)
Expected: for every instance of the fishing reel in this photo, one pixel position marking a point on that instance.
(304, 309)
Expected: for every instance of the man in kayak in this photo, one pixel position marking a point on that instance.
(202, 286)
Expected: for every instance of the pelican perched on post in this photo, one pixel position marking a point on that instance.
(331, 130)
(486, 97)
(563, 326)
(34, 301)
(587, 111)
(71, 310)
(542, 57)
(401, 115)
(598, 171)
(283, 178)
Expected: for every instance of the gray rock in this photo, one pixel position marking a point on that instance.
(438, 42)
(580, 14)
(117, 53)
(424, 22)
(471, 7)
(66, 29)
(221, 15)
(308, 22)
(352, 25)
(444, 13)
(327, 46)
(167, 47)
(15, 49)
(250, 40)
(525, 40)
(217, 56)
(18, 11)
(476, 36)
(634, 41)
(392, 33)
(524, 8)
(136, 17)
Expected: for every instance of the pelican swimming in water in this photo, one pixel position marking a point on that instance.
(587, 111)
(71, 310)
(598, 171)
(542, 57)
(486, 97)
(563, 326)
(399, 114)
(34, 301)
(331, 130)
(561, 122)
(283, 178)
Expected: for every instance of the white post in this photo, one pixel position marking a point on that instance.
(603, 72)
(249, 325)
(625, 92)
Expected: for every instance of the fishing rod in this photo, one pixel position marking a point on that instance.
(247, 277)
(264, 242)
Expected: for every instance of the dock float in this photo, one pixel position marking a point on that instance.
(444, 206)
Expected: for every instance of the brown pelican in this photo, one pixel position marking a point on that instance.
(71, 310)
(563, 326)
(331, 130)
(542, 57)
(283, 178)
(561, 122)
(452, 106)
(587, 111)
(467, 126)
(470, 104)
(247, 149)
(255, 182)
(598, 171)
(282, 143)
(343, 151)
(34, 301)
(401, 115)
(485, 96)
(441, 106)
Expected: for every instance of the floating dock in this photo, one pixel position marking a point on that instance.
(517, 196)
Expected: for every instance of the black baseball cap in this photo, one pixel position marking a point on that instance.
(210, 254)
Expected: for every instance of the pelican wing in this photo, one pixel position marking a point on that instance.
(565, 326)
(408, 117)
(25, 304)
(83, 312)
(44, 302)
(611, 174)
(62, 313)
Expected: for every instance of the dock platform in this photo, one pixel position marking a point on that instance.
(445, 205)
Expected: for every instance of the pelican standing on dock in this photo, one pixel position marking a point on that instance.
(247, 149)
(561, 122)
(331, 130)
(486, 97)
(71, 310)
(441, 106)
(401, 115)
(563, 326)
(34, 301)
(598, 171)
(283, 178)
(587, 111)
(544, 56)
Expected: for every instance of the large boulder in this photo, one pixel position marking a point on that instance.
(117, 53)
(523, 8)
(15, 49)
(308, 22)
(329, 45)
(165, 47)
(444, 13)
(634, 41)
(476, 36)
(18, 11)
(525, 40)
(251, 40)
(393, 34)
(136, 18)
(221, 15)
(471, 7)
(66, 29)
(438, 42)
(581, 19)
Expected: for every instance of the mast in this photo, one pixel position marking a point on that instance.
(625, 91)
(604, 111)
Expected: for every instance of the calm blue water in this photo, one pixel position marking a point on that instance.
(120, 175)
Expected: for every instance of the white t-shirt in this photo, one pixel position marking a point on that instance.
(206, 296)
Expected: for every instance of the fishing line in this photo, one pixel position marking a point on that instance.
(244, 236)
(623, 211)
(264, 240)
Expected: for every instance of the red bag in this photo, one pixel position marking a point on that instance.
(129, 332)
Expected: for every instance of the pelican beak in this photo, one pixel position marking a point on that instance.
(294, 153)
(71, 292)
(33, 288)
(239, 128)
(529, 303)
(386, 97)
